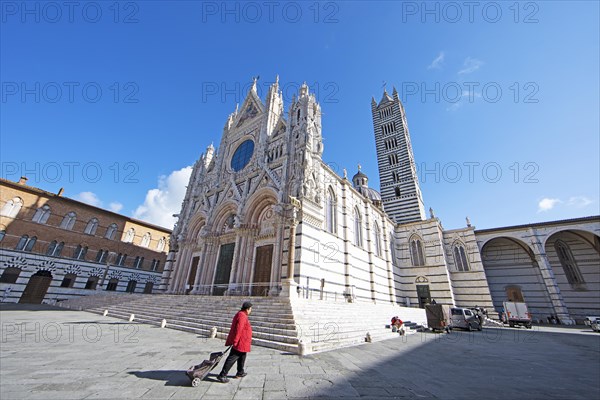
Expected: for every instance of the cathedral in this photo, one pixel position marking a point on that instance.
(263, 215)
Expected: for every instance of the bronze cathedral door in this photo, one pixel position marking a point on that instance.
(262, 270)
(223, 269)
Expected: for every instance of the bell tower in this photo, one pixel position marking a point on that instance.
(399, 184)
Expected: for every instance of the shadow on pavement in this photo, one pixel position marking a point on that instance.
(171, 377)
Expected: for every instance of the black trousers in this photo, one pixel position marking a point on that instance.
(234, 356)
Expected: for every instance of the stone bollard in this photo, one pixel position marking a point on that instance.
(301, 348)
(131, 317)
(105, 313)
(368, 338)
(163, 323)
(213, 332)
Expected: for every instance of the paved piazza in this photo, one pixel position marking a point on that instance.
(49, 353)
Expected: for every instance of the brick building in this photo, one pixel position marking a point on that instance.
(53, 247)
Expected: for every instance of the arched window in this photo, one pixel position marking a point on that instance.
(146, 239)
(55, 248)
(26, 243)
(110, 231)
(91, 283)
(331, 212)
(138, 262)
(91, 226)
(357, 228)
(12, 207)
(377, 238)
(68, 280)
(161, 244)
(460, 257)
(10, 275)
(101, 255)
(41, 214)
(417, 254)
(154, 265)
(129, 236)
(567, 261)
(121, 259)
(80, 252)
(148, 287)
(68, 221)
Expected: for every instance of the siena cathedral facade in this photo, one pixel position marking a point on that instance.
(266, 216)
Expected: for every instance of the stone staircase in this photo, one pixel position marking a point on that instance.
(301, 326)
(272, 319)
(326, 325)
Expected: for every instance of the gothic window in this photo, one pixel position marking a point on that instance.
(55, 248)
(12, 207)
(68, 221)
(68, 280)
(416, 251)
(91, 226)
(26, 243)
(298, 117)
(331, 212)
(567, 261)
(101, 255)
(41, 214)
(10, 275)
(397, 191)
(154, 265)
(80, 252)
(460, 257)
(129, 236)
(357, 228)
(138, 262)
(110, 231)
(161, 244)
(121, 259)
(377, 238)
(146, 240)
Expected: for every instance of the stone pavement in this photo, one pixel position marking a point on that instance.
(52, 353)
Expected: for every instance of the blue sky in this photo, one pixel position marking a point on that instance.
(113, 101)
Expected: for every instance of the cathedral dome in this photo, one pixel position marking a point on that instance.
(360, 182)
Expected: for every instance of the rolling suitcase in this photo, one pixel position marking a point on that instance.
(198, 372)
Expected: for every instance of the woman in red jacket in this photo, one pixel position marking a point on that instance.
(240, 337)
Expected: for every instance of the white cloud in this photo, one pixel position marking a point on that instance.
(470, 65)
(115, 206)
(437, 63)
(89, 198)
(161, 203)
(579, 201)
(547, 204)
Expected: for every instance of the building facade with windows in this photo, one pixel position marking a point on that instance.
(266, 216)
(53, 247)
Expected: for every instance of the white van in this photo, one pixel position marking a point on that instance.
(517, 313)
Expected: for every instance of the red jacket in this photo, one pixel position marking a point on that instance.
(240, 334)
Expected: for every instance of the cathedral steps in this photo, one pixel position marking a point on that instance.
(300, 326)
(272, 319)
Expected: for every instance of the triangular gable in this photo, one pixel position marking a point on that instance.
(251, 108)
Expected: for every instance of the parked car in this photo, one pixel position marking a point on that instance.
(593, 322)
(464, 318)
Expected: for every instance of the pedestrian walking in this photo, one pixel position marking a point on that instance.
(240, 338)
